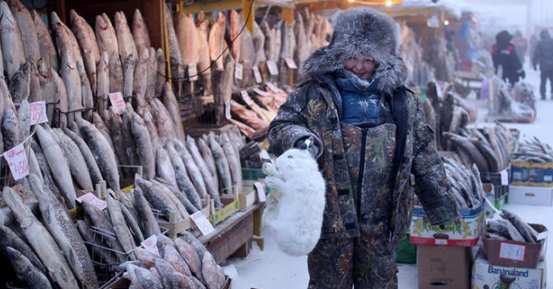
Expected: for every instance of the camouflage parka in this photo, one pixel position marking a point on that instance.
(312, 110)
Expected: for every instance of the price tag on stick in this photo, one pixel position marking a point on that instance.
(117, 102)
(238, 71)
(202, 223)
(17, 161)
(192, 72)
(260, 192)
(150, 245)
(92, 199)
(38, 112)
(257, 74)
(273, 68)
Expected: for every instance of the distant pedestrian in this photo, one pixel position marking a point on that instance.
(521, 45)
(504, 55)
(543, 56)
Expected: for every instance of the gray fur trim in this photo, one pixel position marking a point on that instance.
(362, 32)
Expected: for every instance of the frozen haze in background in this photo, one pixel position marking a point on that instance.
(272, 269)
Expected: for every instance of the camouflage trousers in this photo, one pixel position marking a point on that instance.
(367, 262)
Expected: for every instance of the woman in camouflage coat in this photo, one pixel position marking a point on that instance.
(375, 150)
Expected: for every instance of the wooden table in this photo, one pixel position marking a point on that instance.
(234, 235)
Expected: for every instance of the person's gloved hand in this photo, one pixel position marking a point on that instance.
(307, 143)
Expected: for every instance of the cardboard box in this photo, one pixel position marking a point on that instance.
(490, 195)
(444, 266)
(516, 254)
(231, 206)
(247, 199)
(464, 233)
(531, 174)
(541, 196)
(485, 275)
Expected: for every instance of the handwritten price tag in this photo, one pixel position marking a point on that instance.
(260, 192)
(202, 223)
(246, 97)
(192, 72)
(38, 112)
(92, 199)
(512, 251)
(291, 63)
(273, 68)
(238, 71)
(227, 110)
(117, 101)
(272, 87)
(257, 74)
(150, 245)
(17, 161)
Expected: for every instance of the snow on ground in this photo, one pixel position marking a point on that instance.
(272, 269)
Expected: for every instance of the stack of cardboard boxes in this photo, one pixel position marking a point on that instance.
(531, 183)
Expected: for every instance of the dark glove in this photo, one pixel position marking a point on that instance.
(307, 143)
(522, 75)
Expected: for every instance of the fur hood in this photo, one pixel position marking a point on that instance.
(362, 32)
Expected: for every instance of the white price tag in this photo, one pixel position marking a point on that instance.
(260, 92)
(17, 161)
(264, 155)
(512, 251)
(260, 192)
(291, 63)
(440, 241)
(547, 178)
(38, 112)
(202, 223)
(92, 199)
(238, 71)
(273, 68)
(192, 72)
(257, 74)
(150, 245)
(118, 102)
(504, 178)
(542, 236)
(272, 87)
(227, 110)
(246, 97)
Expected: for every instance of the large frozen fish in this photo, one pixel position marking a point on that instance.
(119, 226)
(157, 197)
(116, 125)
(164, 168)
(132, 221)
(102, 82)
(144, 146)
(172, 256)
(212, 274)
(115, 73)
(140, 82)
(147, 219)
(192, 168)
(97, 246)
(26, 272)
(189, 254)
(203, 146)
(86, 90)
(172, 106)
(46, 44)
(152, 74)
(70, 56)
(235, 28)
(161, 72)
(105, 35)
(77, 162)
(60, 118)
(86, 153)
(234, 162)
(210, 184)
(41, 241)
(217, 43)
(204, 60)
(124, 37)
(187, 36)
(163, 120)
(27, 27)
(12, 44)
(175, 55)
(140, 30)
(47, 87)
(24, 120)
(58, 165)
(88, 45)
(62, 229)
(9, 238)
(221, 162)
(103, 153)
(183, 180)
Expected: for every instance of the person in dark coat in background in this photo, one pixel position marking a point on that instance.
(368, 132)
(504, 55)
(543, 56)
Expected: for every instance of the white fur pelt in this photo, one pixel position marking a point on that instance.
(295, 213)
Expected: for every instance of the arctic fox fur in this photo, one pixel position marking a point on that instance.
(295, 214)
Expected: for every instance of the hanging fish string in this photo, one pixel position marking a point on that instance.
(214, 60)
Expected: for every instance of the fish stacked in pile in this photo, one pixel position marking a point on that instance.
(510, 227)
(488, 148)
(508, 100)
(533, 151)
(465, 184)
(183, 263)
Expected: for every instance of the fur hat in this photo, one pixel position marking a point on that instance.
(362, 33)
